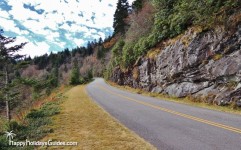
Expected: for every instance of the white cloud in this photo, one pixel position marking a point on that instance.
(4, 14)
(79, 41)
(19, 12)
(102, 35)
(32, 49)
(70, 11)
(9, 25)
(37, 49)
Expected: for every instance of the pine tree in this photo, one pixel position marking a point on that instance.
(119, 17)
(7, 57)
(89, 48)
(75, 75)
(137, 5)
(100, 41)
(54, 77)
(100, 52)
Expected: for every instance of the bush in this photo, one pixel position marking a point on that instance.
(36, 122)
(108, 71)
(117, 51)
(35, 114)
(47, 110)
(3, 141)
(128, 56)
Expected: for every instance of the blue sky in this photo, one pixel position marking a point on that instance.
(52, 25)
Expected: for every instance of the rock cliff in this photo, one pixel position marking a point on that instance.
(202, 64)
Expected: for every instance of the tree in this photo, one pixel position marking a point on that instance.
(54, 77)
(100, 41)
(137, 5)
(75, 75)
(7, 56)
(120, 15)
(100, 52)
(89, 48)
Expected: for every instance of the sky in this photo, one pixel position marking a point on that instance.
(53, 25)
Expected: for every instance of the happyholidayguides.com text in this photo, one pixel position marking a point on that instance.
(40, 143)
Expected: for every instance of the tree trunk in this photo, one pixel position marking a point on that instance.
(6, 95)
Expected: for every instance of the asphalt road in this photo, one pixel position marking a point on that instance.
(168, 125)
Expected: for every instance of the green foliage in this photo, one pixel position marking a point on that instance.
(137, 5)
(128, 56)
(108, 71)
(34, 127)
(75, 74)
(3, 141)
(119, 17)
(88, 78)
(117, 51)
(37, 86)
(8, 57)
(171, 18)
(101, 52)
(90, 74)
(49, 109)
(54, 77)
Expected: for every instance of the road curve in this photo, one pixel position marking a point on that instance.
(168, 125)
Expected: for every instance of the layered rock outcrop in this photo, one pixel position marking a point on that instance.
(199, 63)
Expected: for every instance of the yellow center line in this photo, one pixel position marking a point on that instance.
(226, 127)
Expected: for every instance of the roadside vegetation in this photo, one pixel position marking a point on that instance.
(32, 124)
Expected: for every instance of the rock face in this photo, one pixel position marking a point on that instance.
(204, 64)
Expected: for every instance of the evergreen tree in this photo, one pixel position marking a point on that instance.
(66, 52)
(100, 52)
(137, 5)
(75, 75)
(89, 48)
(7, 58)
(119, 17)
(54, 77)
(100, 41)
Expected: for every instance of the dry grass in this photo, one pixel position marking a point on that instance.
(153, 53)
(83, 121)
(135, 73)
(217, 57)
(186, 101)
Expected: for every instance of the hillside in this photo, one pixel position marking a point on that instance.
(182, 49)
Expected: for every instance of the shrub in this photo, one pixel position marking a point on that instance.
(47, 110)
(3, 141)
(117, 51)
(108, 71)
(35, 114)
(128, 56)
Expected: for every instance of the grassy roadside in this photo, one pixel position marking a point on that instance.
(186, 101)
(32, 123)
(83, 121)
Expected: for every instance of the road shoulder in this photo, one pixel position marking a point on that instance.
(82, 120)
